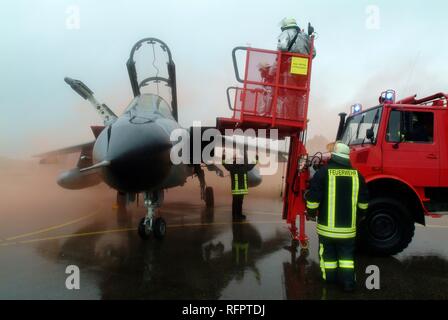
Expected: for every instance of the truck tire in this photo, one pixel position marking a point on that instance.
(387, 229)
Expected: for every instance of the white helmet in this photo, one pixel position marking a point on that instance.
(287, 23)
(341, 150)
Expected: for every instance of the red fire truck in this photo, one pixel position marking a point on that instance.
(400, 147)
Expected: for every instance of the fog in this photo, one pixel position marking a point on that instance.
(43, 41)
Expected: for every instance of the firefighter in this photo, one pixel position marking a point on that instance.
(339, 193)
(293, 39)
(238, 176)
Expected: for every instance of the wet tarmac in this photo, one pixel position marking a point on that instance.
(44, 229)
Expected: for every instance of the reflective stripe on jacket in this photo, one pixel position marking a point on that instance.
(238, 177)
(239, 183)
(337, 191)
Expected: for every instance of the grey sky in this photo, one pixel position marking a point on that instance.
(353, 64)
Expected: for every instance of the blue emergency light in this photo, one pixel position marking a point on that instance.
(356, 108)
(387, 96)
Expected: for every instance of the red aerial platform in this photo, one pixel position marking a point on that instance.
(275, 95)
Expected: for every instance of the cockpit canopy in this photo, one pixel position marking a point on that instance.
(148, 107)
(152, 71)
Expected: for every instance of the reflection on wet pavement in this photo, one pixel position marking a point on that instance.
(204, 255)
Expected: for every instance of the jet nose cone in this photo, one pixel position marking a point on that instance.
(130, 141)
(139, 156)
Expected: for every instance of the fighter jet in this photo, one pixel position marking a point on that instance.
(131, 152)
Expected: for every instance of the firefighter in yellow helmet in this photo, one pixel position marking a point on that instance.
(338, 193)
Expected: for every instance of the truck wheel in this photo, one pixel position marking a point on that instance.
(387, 229)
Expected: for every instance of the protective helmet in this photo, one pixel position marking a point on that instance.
(341, 150)
(263, 65)
(288, 23)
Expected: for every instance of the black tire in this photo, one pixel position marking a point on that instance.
(387, 229)
(142, 230)
(159, 228)
(209, 197)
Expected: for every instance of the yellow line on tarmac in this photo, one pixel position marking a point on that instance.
(93, 233)
(58, 226)
(83, 234)
(219, 223)
(7, 244)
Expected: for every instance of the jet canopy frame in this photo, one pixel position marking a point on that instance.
(171, 68)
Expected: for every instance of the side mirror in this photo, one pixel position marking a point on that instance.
(370, 134)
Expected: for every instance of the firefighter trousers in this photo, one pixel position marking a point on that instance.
(237, 204)
(337, 260)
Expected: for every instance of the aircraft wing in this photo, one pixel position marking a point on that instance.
(67, 150)
(84, 149)
(282, 154)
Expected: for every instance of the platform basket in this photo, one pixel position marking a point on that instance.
(275, 91)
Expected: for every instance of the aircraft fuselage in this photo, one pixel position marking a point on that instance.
(137, 146)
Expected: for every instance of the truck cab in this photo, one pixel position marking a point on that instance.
(401, 150)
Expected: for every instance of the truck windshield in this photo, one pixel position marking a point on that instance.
(357, 125)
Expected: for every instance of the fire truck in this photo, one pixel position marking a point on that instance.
(399, 146)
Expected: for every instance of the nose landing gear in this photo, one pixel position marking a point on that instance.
(150, 224)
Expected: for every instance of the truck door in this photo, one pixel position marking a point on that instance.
(411, 147)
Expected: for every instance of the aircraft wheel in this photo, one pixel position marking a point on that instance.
(209, 197)
(143, 230)
(159, 228)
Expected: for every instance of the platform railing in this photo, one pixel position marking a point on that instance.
(275, 87)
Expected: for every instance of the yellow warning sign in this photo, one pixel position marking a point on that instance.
(299, 66)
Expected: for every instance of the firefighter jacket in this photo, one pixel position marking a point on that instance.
(238, 176)
(300, 45)
(338, 192)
